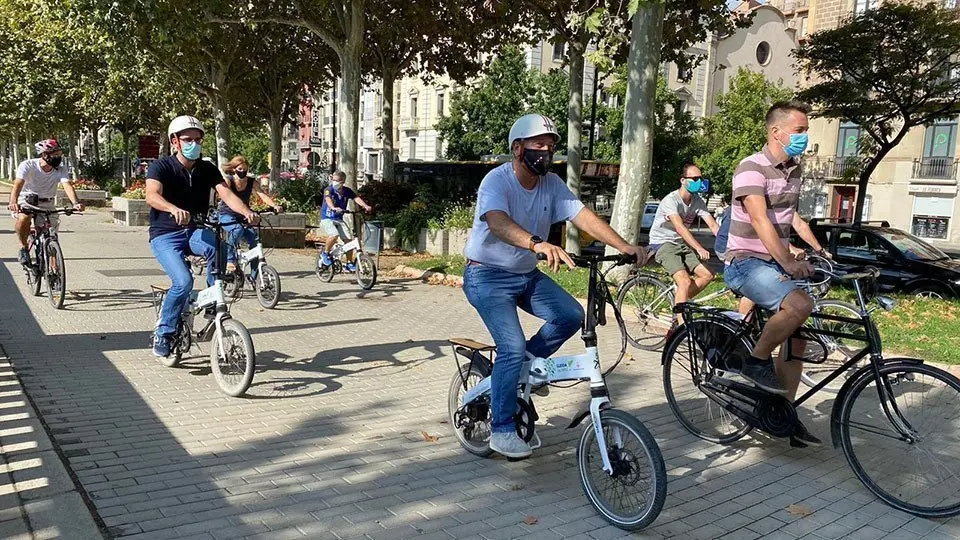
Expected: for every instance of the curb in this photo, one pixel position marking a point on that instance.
(428, 276)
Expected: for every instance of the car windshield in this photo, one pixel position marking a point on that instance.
(912, 247)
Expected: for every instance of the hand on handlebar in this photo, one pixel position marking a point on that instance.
(180, 216)
(278, 209)
(251, 217)
(79, 206)
(554, 255)
(639, 253)
(14, 207)
(799, 269)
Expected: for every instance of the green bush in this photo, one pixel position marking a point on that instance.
(98, 172)
(114, 187)
(387, 198)
(457, 216)
(303, 194)
(417, 215)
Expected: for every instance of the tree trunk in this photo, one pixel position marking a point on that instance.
(28, 146)
(221, 119)
(389, 78)
(16, 154)
(349, 98)
(574, 136)
(276, 135)
(4, 160)
(96, 143)
(126, 158)
(75, 156)
(864, 181)
(643, 67)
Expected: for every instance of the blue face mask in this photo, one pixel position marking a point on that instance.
(798, 143)
(190, 150)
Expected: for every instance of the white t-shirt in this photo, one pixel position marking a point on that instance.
(535, 210)
(44, 184)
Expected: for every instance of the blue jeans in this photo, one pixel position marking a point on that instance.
(235, 233)
(170, 250)
(496, 295)
(764, 282)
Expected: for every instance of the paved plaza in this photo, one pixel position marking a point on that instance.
(344, 431)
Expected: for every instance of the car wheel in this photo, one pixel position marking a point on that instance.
(931, 291)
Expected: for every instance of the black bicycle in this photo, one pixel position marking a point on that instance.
(895, 419)
(46, 255)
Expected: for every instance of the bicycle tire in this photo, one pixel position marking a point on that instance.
(698, 403)
(902, 378)
(233, 384)
(814, 373)
(366, 271)
(36, 270)
(650, 315)
(473, 374)
(630, 468)
(56, 274)
(268, 279)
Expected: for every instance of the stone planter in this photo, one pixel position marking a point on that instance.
(284, 230)
(130, 212)
(443, 242)
(89, 197)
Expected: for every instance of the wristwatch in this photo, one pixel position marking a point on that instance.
(534, 240)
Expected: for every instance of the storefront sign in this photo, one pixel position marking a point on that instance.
(946, 190)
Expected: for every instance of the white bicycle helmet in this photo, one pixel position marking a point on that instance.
(183, 123)
(46, 145)
(531, 125)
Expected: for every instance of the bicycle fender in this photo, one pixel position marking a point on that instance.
(865, 371)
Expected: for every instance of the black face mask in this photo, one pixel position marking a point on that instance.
(54, 161)
(538, 161)
(241, 174)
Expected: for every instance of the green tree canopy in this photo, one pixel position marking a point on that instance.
(481, 115)
(737, 129)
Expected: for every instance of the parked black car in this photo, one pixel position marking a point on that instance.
(907, 264)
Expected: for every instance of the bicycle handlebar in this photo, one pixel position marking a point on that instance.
(30, 209)
(586, 260)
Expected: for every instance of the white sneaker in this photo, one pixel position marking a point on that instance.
(510, 445)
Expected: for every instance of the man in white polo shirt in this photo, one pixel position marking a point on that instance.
(40, 176)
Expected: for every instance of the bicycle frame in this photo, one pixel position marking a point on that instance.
(579, 368)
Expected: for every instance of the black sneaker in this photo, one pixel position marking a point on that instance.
(23, 257)
(763, 376)
(802, 438)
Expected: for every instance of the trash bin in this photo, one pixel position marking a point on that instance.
(373, 237)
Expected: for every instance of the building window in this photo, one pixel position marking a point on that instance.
(361, 111)
(763, 53)
(439, 103)
(413, 108)
(413, 148)
(361, 136)
(684, 74)
(803, 26)
(931, 215)
(373, 163)
(559, 49)
(681, 105)
(379, 104)
(439, 148)
(861, 6)
(940, 140)
(848, 139)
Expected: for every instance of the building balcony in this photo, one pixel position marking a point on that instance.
(409, 123)
(832, 168)
(935, 168)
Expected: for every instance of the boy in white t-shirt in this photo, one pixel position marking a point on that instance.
(40, 177)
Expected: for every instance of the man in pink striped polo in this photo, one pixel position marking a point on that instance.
(766, 190)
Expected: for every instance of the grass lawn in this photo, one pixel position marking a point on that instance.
(927, 329)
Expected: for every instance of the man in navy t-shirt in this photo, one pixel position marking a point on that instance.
(336, 196)
(179, 187)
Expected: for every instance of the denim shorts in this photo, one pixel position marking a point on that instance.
(764, 282)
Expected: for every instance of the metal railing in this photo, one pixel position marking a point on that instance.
(942, 168)
(832, 167)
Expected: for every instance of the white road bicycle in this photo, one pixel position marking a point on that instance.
(366, 267)
(232, 356)
(252, 268)
(621, 468)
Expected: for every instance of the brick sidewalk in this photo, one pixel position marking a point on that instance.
(330, 442)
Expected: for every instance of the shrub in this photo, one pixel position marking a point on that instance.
(114, 187)
(302, 193)
(417, 215)
(137, 190)
(456, 216)
(387, 198)
(98, 172)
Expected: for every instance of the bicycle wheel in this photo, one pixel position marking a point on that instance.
(472, 424)
(921, 475)
(366, 271)
(234, 369)
(233, 285)
(268, 286)
(683, 373)
(646, 305)
(56, 271)
(324, 271)
(632, 496)
(839, 350)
